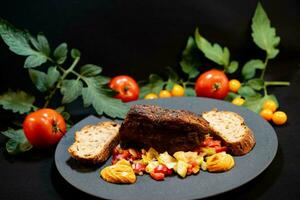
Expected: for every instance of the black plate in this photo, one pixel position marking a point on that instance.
(202, 185)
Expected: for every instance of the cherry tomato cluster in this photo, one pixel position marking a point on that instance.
(234, 86)
(269, 113)
(212, 83)
(176, 91)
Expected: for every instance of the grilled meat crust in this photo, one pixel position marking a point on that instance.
(163, 129)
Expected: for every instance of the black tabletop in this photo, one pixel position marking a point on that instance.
(33, 175)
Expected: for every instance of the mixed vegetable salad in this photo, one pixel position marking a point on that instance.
(210, 156)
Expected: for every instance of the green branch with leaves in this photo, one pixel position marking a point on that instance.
(254, 86)
(87, 83)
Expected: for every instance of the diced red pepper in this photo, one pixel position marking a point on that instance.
(117, 150)
(157, 176)
(189, 170)
(138, 168)
(161, 168)
(220, 149)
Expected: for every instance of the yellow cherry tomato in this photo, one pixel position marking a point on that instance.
(238, 101)
(267, 114)
(177, 91)
(164, 94)
(234, 85)
(151, 96)
(279, 118)
(271, 105)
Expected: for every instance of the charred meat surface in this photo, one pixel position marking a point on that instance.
(163, 129)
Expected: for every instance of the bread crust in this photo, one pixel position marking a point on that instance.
(243, 146)
(104, 152)
(240, 147)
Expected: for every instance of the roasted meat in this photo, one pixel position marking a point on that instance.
(163, 129)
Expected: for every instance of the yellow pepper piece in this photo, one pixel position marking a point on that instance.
(219, 162)
(121, 172)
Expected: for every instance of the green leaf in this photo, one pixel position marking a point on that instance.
(66, 115)
(34, 61)
(90, 70)
(42, 80)
(12, 146)
(170, 84)
(233, 66)
(39, 79)
(263, 34)
(255, 103)
(246, 91)
(155, 84)
(94, 95)
(102, 80)
(75, 53)
(172, 74)
(16, 135)
(231, 95)
(60, 53)
(19, 42)
(256, 84)
(15, 39)
(60, 109)
(213, 52)
(52, 76)
(19, 101)
(43, 44)
(71, 90)
(190, 59)
(173, 78)
(249, 68)
(190, 92)
(17, 142)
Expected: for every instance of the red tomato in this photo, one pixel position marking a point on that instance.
(157, 176)
(44, 127)
(213, 84)
(127, 88)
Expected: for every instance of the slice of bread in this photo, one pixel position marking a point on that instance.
(94, 143)
(232, 130)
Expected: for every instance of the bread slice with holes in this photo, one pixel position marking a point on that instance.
(232, 130)
(94, 143)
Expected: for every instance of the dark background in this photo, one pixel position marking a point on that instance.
(142, 37)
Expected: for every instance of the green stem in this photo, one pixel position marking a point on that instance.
(274, 83)
(264, 70)
(58, 84)
(189, 83)
(265, 90)
(277, 83)
(77, 74)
